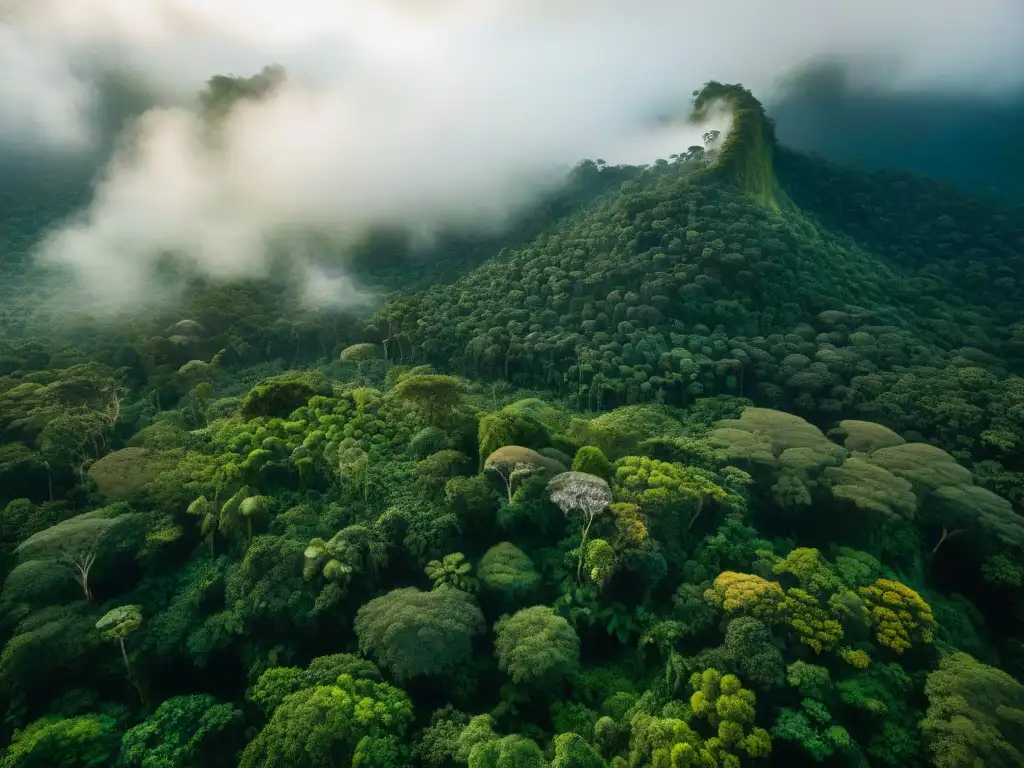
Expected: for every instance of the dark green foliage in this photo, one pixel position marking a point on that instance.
(573, 751)
(536, 646)
(184, 731)
(754, 652)
(746, 157)
(975, 714)
(812, 729)
(427, 441)
(496, 430)
(281, 395)
(726, 443)
(415, 633)
(507, 570)
(89, 741)
(438, 742)
(324, 725)
(434, 395)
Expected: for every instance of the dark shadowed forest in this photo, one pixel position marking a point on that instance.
(716, 462)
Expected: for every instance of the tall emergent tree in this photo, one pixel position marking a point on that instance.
(76, 542)
(582, 494)
(117, 624)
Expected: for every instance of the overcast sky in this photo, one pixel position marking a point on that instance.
(418, 112)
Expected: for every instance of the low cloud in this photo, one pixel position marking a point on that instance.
(419, 114)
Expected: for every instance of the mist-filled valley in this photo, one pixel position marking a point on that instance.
(511, 385)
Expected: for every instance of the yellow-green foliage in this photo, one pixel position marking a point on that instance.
(810, 569)
(855, 658)
(730, 709)
(631, 529)
(600, 560)
(813, 625)
(658, 485)
(745, 593)
(898, 615)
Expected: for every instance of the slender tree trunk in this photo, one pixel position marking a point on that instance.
(583, 545)
(83, 569)
(693, 518)
(508, 485)
(945, 535)
(131, 675)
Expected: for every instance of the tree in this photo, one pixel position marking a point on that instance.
(120, 473)
(536, 645)
(207, 512)
(45, 644)
(729, 709)
(601, 561)
(507, 569)
(573, 751)
(359, 354)
(865, 436)
(590, 460)
(586, 495)
(898, 614)
(438, 741)
(514, 462)
(745, 593)
(975, 715)
(452, 571)
(495, 430)
(434, 395)
(192, 731)
(323, 725)
(811, 728)
(78, 542)
(277, 683)
(117, 624)
(380, 752)
(254, 508)
(353, 549)
(753, 651)
(417, 633)
(507, 752)
(661, 486)
(872, 489)
(87, 741)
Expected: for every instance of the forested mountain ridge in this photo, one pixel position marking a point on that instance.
(751, 294)
(708, 463)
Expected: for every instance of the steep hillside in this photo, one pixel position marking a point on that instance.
(704, 264)
(764, 274)
(238, 532)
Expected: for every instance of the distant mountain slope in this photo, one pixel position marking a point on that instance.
(766, 274)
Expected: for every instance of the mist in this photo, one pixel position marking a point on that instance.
(423, 115)
(972, 140)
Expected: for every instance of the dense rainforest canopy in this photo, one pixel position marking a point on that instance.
(715, 462)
